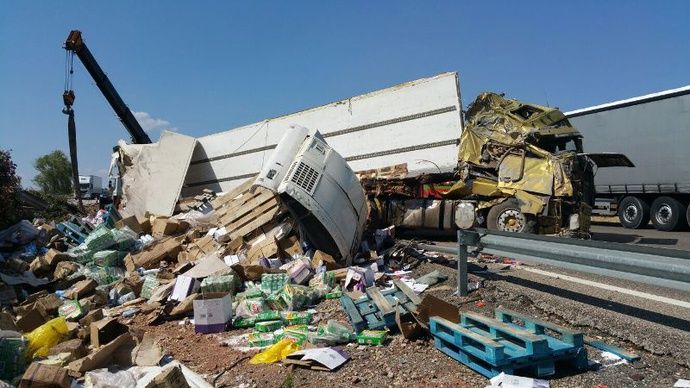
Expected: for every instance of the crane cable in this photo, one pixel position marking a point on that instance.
(68, 99)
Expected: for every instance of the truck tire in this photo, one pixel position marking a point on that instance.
(667, 214)
(507, 217)
(633, 212)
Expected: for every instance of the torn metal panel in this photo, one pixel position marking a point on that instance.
(152, 174)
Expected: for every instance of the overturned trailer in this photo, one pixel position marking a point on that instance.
(517, 167)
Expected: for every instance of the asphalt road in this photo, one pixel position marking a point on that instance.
(647, 236)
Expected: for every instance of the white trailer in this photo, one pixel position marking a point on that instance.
(418, 123)
(90, 186)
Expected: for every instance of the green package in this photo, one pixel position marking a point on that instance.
(267, 326)
(334, 294)
(298, 334)
(297, 297)
(268, 315)
(150, 284)
(371, 337)
(272, 283)
(243, 322)
(108, 258)
(250, 294)
(275, 302)
(297, 317)
(224, 283)
(99, 239)
(259, 340)
(71, 309)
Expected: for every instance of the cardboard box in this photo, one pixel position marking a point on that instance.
(92, 316)
(131, 222)
(106, 330)
(64, 269)
(169, 247)
(45, 376)
(31, 320)
(81, 289)
(164, 227)
(184, 286)
(321, 258)
(212, 313)
(169, 378)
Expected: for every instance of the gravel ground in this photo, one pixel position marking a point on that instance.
(659, 333)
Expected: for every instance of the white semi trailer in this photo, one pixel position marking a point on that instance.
(654, 132)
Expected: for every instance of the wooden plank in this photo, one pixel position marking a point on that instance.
(414, 298)
(266, 208)
(257, 223)
(245, 198)
(379, 300)
(248, 207)
(232, 194)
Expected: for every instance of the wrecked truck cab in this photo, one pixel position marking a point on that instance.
(515, 183)
(319, 189)
(523, 168)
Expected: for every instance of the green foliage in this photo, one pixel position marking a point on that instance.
(58, 209)
(54, 173)
(10, 186)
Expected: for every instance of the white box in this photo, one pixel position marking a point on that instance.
(184, 286)
(212, 313)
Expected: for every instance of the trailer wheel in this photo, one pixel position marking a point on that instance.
(507, 217)
(633, 212)
(667, 213)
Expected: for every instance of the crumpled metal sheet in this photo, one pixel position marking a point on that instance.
(499, 137)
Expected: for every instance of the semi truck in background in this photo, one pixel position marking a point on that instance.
(90, 186)
(654, 132)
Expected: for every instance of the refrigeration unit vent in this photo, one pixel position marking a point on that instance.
(305, 177)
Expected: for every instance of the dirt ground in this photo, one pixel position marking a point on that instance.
(414, 364)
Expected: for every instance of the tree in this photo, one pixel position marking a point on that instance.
(54, 173)
(10, 186)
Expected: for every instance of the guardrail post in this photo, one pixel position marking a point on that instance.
(465, 238)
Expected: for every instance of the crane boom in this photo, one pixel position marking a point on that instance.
(75, 44)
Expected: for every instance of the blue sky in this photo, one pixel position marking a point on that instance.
(202, 67)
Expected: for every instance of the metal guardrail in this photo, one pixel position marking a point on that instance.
(657, 266)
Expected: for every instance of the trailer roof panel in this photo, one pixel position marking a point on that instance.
(630, 101)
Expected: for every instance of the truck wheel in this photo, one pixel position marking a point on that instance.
(507, 216)
(633, 212)
(667, 213)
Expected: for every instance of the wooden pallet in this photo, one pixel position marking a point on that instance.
(244, 214)
(376, 310)
(491, 346)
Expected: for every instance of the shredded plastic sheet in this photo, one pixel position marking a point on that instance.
(275, 353)
(44, 337)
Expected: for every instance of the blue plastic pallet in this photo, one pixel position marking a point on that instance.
(491, 346)
(376, 310)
